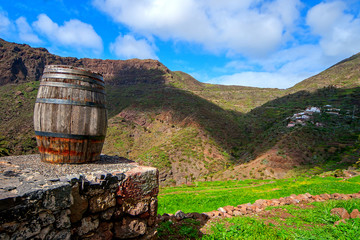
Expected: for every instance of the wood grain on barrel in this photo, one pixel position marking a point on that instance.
(70, 117)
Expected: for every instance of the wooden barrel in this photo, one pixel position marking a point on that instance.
(70, 117)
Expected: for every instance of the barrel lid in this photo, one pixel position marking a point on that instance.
(72, 70)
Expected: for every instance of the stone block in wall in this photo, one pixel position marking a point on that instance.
(47, 233)
(139, 183)
(135, 208)
(9, 227)
(102, 202)
(79, 204)
(129, 228)
(153, 206)
(93, 189)
(63, 219)
(88, 224)
(62, 235)
(18, 213)
(107, 215)
(104, 232)
(97, 182)
(46, 218)
(27, 230)
(145, 208)
(57, 197)
(23, 203)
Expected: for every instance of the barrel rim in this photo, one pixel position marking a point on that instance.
(79, 70)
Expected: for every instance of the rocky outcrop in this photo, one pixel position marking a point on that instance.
(22, 63)
(129, 72)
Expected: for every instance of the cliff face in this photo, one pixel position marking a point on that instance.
(129, 72)
(21, 63)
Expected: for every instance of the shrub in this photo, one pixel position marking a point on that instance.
(339, 173)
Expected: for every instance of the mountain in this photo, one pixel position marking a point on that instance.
(191, 130)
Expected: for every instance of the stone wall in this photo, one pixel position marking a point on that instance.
(113, 199)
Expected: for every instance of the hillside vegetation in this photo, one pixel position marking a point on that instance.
(16, 120)
(191, 130)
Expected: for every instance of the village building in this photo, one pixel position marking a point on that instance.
(311, 110)
(331, 110)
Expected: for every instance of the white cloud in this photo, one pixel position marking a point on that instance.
(282, 69)
(259, 79)
(304, 58)
(339, 31)
(324, 16)
(128, 47)
(25, 31)
(287, 11)
(5, 23)
(73, 33)
(249, 27)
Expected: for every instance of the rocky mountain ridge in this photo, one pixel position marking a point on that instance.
(22, 63)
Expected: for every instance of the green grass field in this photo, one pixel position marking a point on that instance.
(208, 196)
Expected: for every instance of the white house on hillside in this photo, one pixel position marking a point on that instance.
(311, 110)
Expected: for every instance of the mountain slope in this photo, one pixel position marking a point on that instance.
(236, 98)
(328, 141)
(345, 74)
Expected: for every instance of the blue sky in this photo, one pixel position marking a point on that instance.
(261, 43)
